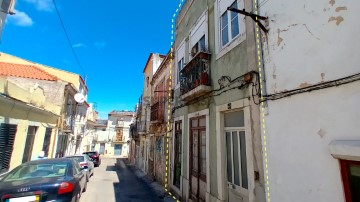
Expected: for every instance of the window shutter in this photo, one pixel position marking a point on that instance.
(7, 138)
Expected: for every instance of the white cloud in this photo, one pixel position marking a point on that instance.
(21, 19)
(100, 44)
(42, 5)
(78, 45)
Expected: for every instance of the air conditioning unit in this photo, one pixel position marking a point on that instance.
(7, 6)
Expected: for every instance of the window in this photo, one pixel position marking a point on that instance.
(180, 67)
(29, 143)
(198, 146)
(177, 153)
(46, 144)
(235, 139)
(180, 60)
(229, 25)
(350, 172)
(7, 138)
(199, 46)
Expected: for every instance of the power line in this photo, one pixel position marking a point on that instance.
(68, 39)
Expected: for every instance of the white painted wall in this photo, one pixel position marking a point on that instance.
(310, 42)
(299, 130)
(304, 42)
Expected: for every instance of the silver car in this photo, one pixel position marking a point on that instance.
(85, 163)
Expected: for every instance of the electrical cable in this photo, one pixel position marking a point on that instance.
(68, 39)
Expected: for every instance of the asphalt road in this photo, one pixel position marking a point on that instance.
(113, 181)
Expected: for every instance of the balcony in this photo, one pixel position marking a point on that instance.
(157, 112)
(141, 128)
(195, 77)
(119, 137)
(68, 124)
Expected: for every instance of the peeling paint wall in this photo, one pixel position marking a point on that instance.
(309, 42)
(324, 32)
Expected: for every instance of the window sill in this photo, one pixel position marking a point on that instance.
(345, 149)
(239, 39)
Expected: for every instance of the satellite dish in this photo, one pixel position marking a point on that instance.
(79, 98)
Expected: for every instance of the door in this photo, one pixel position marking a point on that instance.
(29, 143)
(198, 158)
(177, 153)
(102, 148)
(117, 149)
(236, 156)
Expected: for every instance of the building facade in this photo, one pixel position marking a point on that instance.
(112, 135)
(145, 160)
(159, 117)
(312, 95)
(217, 152)
(29, 113)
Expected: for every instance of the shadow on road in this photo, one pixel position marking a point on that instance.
(130, 188)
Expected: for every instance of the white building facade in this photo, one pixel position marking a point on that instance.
(312, 84)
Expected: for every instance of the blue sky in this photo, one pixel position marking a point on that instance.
(112, 40)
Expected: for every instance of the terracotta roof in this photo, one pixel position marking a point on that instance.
(25, 71)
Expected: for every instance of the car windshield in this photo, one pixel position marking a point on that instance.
(37, 170)
(78, 158)
(91, 153)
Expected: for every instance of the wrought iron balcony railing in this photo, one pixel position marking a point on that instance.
(195, 76)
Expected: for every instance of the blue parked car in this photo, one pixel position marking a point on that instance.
(44, 180)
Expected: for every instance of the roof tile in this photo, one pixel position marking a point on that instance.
(25, 71)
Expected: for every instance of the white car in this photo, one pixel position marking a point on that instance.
(85, 163)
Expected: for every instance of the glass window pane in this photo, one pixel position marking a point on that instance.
(234, 119)
(229, 162)
(354, 180)
(224, 29)
(203, 138)
(195, 163)
(203, 166)
(235, 27)
(234, 14)
(236, 157)
(203, 152)
(244, 175)
(195, 143)
(234, 21)
(202, 43)
(202, 122)
(194, 123)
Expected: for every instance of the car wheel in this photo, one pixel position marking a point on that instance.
(77, 198)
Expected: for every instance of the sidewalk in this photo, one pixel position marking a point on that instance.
(159, 189)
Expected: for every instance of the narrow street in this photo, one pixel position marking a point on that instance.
(113, 181)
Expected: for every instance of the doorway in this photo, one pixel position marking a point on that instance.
(197, 158)
(236, 156)
(117, 149)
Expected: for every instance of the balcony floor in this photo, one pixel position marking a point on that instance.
(196, 92)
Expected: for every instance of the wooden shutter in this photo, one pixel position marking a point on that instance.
(7, 138)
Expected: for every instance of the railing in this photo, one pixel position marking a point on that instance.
(157, 112)
(195, 73)
(69, 123)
